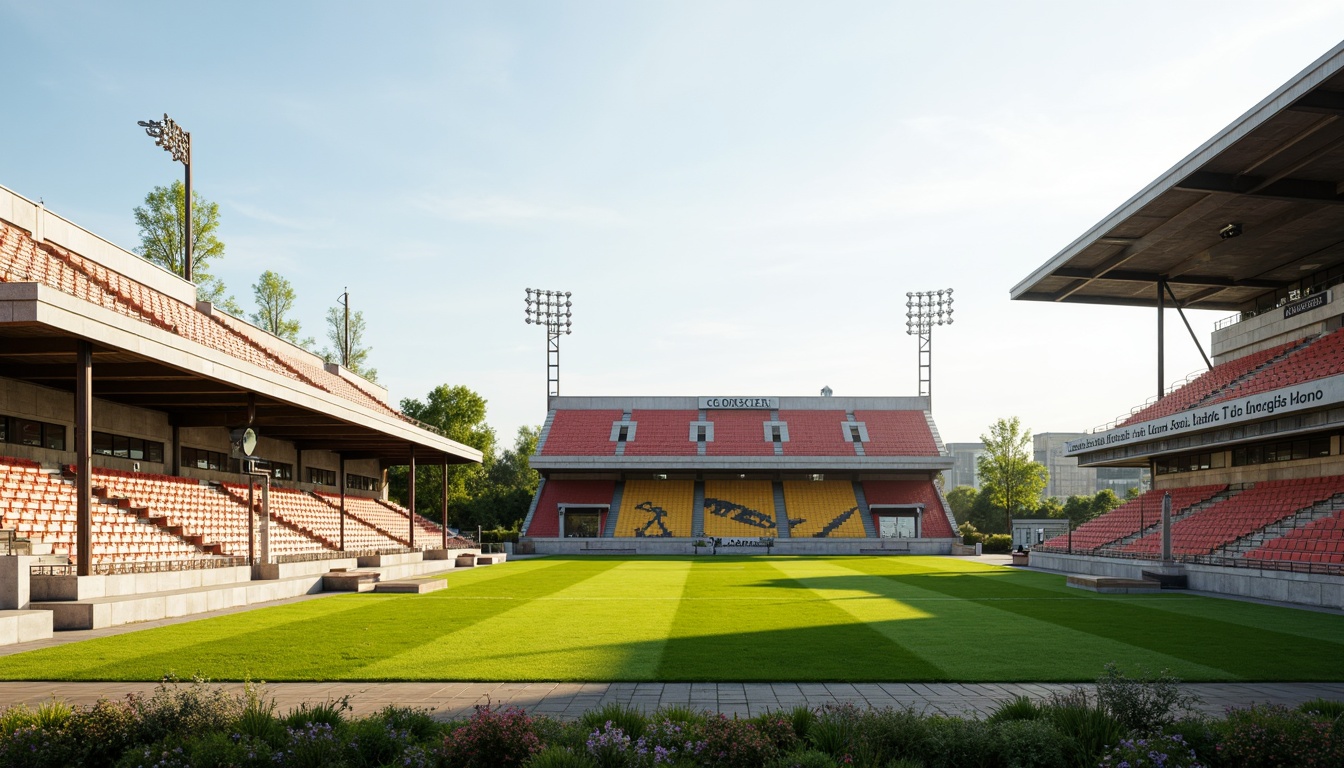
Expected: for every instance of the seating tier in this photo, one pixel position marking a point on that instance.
(661, 433)
(816, 433)
(739, 433)
(739, 508)
(1130, 518)
(1206, 384)
(823, 509)
(40, 506)
(214, 516)
(656, 508)
(581, 433)
(1321, 541)
(1323, 357)
(320, 518)
(1223, 523)
(897, 433)
(546, 518)
(933, 523)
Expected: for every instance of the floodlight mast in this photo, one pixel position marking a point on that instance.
(923, 310)
(551, 309)
(168, 134)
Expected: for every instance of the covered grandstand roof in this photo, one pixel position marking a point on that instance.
(155, 348)
(870, 434)
(1277, 173)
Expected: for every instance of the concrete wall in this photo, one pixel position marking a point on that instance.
(1283, 586)
(1324, 466)
(55, 406)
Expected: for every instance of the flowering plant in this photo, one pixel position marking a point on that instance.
(1156, 752)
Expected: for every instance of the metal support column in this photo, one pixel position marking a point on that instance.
(340, 457)
(1181, 311)
(444, 518)
(83, 457)
(410, 495)
(1161, 338)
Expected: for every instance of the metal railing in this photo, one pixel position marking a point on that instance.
(139, 566)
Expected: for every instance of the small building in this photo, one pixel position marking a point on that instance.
(1028, 532)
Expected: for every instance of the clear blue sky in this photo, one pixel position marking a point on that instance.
(738, 194)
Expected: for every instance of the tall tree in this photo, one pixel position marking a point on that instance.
(459, 414)
(163, 242)
(501, 501)
(347, 342)
(961, 499)
(275, 300)
(1012, 479)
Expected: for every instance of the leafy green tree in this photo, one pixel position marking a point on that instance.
(510, 482)
(961, 499)
(1104, 502)
(1079, 509)
(163, 240)
(347, 343)
(1007, 471)
(459, 414)
(1133, 492)
(984, 515)
(275, 299)
(1049, 507)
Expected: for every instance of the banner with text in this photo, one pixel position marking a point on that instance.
(1300, 397)
(711, 403)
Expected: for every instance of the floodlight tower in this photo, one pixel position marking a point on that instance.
(176, 142)
(923, 310)
(551, 309)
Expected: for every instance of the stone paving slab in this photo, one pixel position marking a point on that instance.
(569, 700)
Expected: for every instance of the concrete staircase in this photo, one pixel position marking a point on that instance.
(698, 509)
(614, 511)
(781, 512)
(869, 529)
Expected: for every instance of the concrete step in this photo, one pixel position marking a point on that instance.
(24, 626)
(411, 586)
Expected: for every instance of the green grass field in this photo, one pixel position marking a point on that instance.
(724, 619)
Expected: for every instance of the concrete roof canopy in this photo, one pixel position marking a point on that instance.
(1277, 172)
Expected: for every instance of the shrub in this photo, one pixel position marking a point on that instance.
(559, 757)
(31, 746)
(1324, 708)
(311, 745)
(1155, 752)
(958, 743)
(175, 708)
(997, 543)
(1090, 729)
(735, 744)
(1029, 744)
(101, 734)
(330, 712)
(801, 717)
(491, 738)
(608, 746)
(1145, 704)
(1020, 708)
(666, 742)
(376, 741)
(892, 734)
(678, 713)
(631, 721)
(778, 729)
(809, 758)
(1277, 736)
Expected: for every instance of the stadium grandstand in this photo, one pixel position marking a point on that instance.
(159, 457)
(799, 474)
(1249, 451)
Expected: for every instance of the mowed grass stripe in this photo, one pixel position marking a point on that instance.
(977, 641)
(620, 637)
(774, 634)
(724, 618)
(359, 630)
(1234, 646)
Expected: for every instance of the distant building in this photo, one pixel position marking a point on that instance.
(1068, 479)
(963, 471)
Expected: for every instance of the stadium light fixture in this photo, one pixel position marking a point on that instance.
(554, 311)
(176, 142)
(923, 310)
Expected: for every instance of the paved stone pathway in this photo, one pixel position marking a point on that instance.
(569, 700)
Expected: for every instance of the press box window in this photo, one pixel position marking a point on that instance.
(321, 476)
(123, 447)
(203, 459)
(360, 482)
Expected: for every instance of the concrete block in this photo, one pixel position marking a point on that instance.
(24, 626)
(466, 561)
(15, 581)
(350, 581)
(412, 586)
(265, 571)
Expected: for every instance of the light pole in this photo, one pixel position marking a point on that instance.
(551, 309)
(923, 310)
(177, 142)
(345, 338)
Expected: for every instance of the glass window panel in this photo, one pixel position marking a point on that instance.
(55, 436)
(30, 432)
(154, 452)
